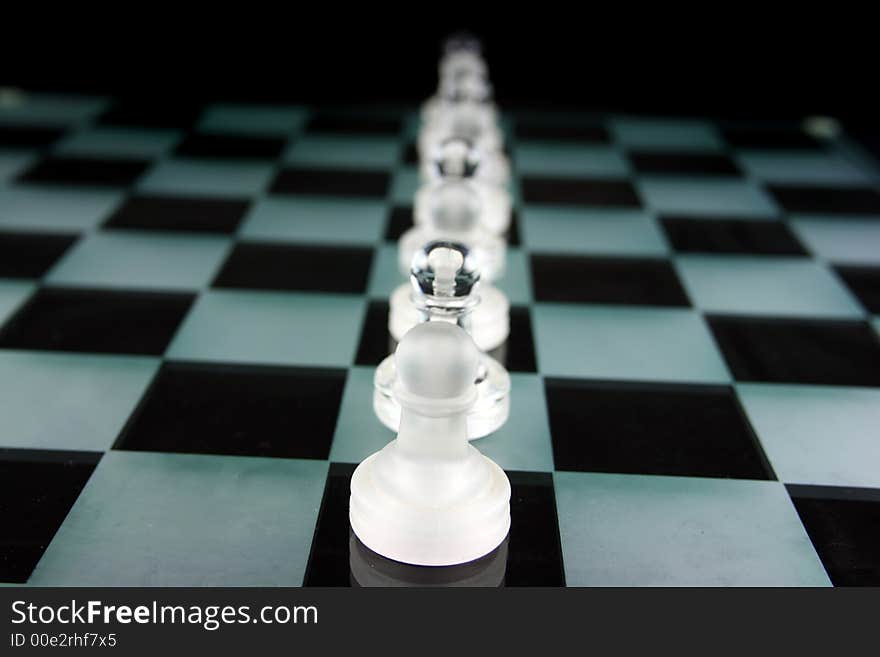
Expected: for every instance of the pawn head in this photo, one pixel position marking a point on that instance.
(455, 208)
(462, 40)
(456, 157)
(437, 360)
(444, 268)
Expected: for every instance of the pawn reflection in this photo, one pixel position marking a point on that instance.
(369, 569)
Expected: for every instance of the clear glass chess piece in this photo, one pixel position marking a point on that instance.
(487, 322)
(455, 91)
(453, 214)
(458, 159)
(461, 63)
(462, 71)
(469, 120)
(444, 280)
(463, 47)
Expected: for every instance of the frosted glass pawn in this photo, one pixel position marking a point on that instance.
(471, 121)
(463, 77)
(444, 290)
(429, 497)
(457, 159)
(453, 214)
(459, 87)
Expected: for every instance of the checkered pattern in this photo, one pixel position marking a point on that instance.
(192, 303)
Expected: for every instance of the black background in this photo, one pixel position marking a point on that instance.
(733, 60)
(722, 61)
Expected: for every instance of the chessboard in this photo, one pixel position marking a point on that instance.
(193, 301)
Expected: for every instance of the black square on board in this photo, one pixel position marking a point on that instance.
(804, 199)
(376, 342)
(30, 255)
(237, 410)
(331, 182)
(821, 352)
(328, 563)
(56, 170)
(37, 490)
(579, 191)
(655, 429)
(864, 282)
(100, 321)
(683, 164)
(27, 136)
(267, 266)
(344, 123)
(517, 354)
(147, 113)
(751, 236)
(513, 231)
(770, 138)
(179, 213)
(628, 281)
(844, 526)
(400, 220)
(411, 154)
(543, 130)
(201, 145)
(534, 556)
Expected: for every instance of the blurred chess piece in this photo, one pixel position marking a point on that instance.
(462, 44)
(473, 122)
(456, 159)
(452, 212)
(443, 287)
(463, 76)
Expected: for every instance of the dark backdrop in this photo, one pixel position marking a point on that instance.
(731, 61)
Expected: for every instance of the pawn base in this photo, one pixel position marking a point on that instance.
(402, 530)
(488, 325)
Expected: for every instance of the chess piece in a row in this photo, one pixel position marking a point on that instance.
(430, 497)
